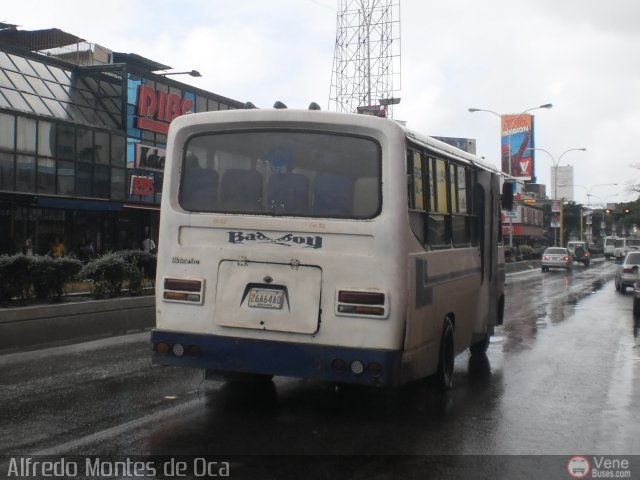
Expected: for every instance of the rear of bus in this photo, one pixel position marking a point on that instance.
(277, 255)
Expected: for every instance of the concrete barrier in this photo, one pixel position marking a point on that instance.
(28, 327)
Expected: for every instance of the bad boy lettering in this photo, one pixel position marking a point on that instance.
(287, 240)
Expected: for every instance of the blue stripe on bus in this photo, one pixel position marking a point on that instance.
(233, 354)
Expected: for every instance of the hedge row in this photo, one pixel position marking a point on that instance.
(24, 277)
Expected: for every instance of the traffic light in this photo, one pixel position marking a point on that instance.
(607, 210)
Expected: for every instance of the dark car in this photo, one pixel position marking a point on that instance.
(579, 252)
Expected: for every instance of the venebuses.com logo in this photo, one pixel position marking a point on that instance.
(599, 467)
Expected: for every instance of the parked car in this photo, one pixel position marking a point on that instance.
(636, 297)
(627, 272)
(579, 252)
(556, 257)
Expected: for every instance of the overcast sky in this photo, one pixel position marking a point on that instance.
(507, 56)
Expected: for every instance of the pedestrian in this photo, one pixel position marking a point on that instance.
(57, 249)
(148, 245)
(28, 246)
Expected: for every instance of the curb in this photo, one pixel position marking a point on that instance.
(31, 327)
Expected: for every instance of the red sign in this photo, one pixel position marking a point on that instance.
(142, 186)
(156, 109)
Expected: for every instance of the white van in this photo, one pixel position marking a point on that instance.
(609, 245)
(624, 245)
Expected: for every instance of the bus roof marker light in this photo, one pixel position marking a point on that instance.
(279, 105)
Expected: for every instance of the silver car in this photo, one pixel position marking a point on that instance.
(556, 257)
(627, 272)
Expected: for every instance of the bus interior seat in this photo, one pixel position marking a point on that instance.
(199, 189)
(241, 189)
(288, 193)
(332, 195)
(365, 197)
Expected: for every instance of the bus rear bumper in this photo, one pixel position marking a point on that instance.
(321, 362)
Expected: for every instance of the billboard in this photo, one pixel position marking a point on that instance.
(517, 139)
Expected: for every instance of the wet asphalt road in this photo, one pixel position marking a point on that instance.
(561, 377)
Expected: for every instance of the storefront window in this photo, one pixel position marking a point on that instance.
(26, 174)
(118, 149)
(85, 145)
(83, 180)
(7, 132)
(66, 142)
(66, 177)
(26, 135)
(117, 184)
(46, 139)
(101, 177)
(101, 147)
(46, 175)
(7, 171)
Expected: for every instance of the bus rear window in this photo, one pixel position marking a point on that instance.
(282, 173)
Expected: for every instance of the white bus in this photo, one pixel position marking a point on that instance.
(326, 246)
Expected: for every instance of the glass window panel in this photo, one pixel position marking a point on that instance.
(102, 187)
(201, 104)
(23, 65)
(452, 188)
(16, 100)
(77, 97)
(58, 92)
(37, 104)
(460, 230)
(8, 131)
(158, 186)
(46, 138)
(7, 171)
(46, 175)
(84, 181)
(101, 149)
(6, 62)
(90, 115)
(4, 80)
(20, 82)
(66, 178)
(25, 173)
(117, 183)
(462, 190)
(84, 145)
(66, 142)
(118, 149)
(440, 181)
(417, 185)
(26, 135)
(437, 231)
(39, 86)
(107, 120)
(42, 70)
(57, 109)
(213, 105)
(61, 75)
(4, 102)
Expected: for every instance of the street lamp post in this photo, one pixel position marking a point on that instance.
(473, 110)
(555, 180)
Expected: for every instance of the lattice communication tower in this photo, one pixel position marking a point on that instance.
(366, 63)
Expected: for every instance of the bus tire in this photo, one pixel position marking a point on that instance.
(446, 357)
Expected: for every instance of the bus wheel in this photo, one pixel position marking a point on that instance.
(446, 358)
(481, 347)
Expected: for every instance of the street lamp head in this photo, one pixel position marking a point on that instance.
(546, 105)
(474, 110)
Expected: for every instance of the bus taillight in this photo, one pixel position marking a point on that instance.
(361, 302)
(183, 290)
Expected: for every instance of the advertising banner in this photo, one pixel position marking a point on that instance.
(517, 139)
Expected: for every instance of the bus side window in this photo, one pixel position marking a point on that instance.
(241, 190)
(331, 195)
(365, 197)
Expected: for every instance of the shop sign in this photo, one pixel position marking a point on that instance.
(141, 185)
(157, 109)
(149, 158)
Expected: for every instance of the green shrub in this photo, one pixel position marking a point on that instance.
(526, 251)
(111, 269)
(135, 281)
(15, 277)
(49, 275)
(143, 261)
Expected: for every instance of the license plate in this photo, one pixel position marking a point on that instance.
(266, 298)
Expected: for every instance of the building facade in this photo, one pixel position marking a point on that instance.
(83, 134)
